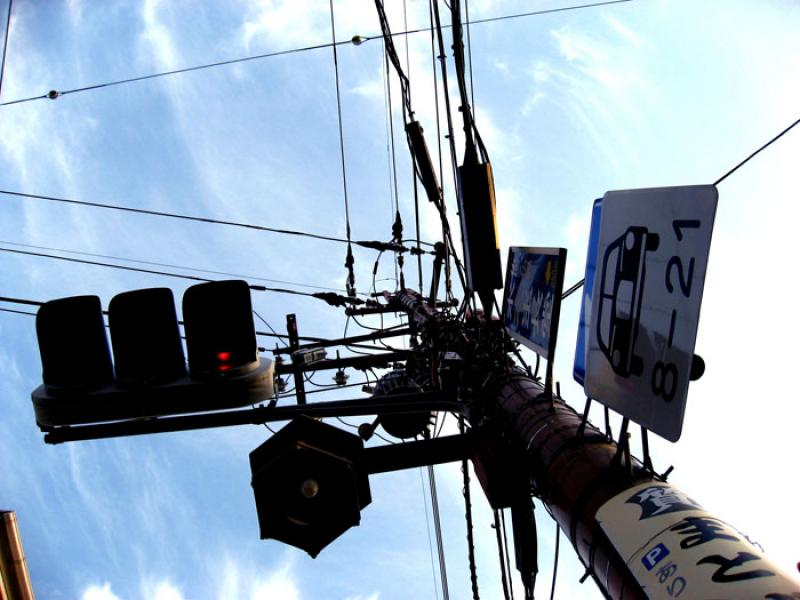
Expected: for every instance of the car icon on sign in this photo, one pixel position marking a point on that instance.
(620, 299)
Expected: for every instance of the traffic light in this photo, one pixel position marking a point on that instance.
(145, 337)
(218, 321)
(309, 483)
(149, 376)
(73, 344)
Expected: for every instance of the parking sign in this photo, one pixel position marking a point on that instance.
(651, 257)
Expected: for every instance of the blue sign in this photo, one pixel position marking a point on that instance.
(653, 556)
(532, 298)
(579, 370)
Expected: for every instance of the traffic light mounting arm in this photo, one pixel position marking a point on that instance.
(395, 404)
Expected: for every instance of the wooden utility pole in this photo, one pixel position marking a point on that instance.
(15, 583)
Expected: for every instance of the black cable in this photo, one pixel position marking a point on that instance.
(5, 46)
(19, 312)
(56, 94)
(357, 40)
(437, 524)
(555, 564)
(26, 302)
(446, 234)
(573, 289)
(428, 531)
(20, 301)
(447, 273)
(505, 550)
(469, 54)
(321, 391)
(392, 153)
(769, 143)
(349, 261)
(473, 571)
(173, 266)
(258, 288)
(499, 535)
(158, 213)
(263, 320)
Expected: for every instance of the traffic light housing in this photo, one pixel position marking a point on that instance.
(310, 484)
(218, 321)
(149, 376)
(73, 345)
(145, 337)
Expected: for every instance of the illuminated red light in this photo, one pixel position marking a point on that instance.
(223, 356)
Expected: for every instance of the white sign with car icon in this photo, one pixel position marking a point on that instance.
(651, 263)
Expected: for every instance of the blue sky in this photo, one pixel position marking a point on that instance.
(641, 94)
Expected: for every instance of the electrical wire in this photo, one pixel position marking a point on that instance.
(428, 531)
(173, 266)
(437, 524)
(349, 261)
(505, 550)
(18, 312)
(321, 391)
(21, 301)
(751, 156)
(356, 40)
(394, 193)
(469, 54)
(26, 302)
(503, 573)
(5, 46)
(157, 213)
(263, 320)
(574, 288)
(738, 166)
(53, 94)
(258, 288)
(446, 234)
(555, 563)
(473, 571)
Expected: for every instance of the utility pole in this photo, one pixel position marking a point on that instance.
(636, 535)
(15, 583)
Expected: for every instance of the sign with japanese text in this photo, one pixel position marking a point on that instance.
(651, 259)
(532, 297)
(675, 549)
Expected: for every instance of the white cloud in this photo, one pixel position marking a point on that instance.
(160, 590)
(96, 592)
(278, 586)
(246, 580)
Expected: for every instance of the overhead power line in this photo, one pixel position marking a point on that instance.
(173, 266)
(751, 156)
(18, 312)
(375, 245)
(5, 46)
(313, 340)
(158, 213)
(357, 40)
(257, 288)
